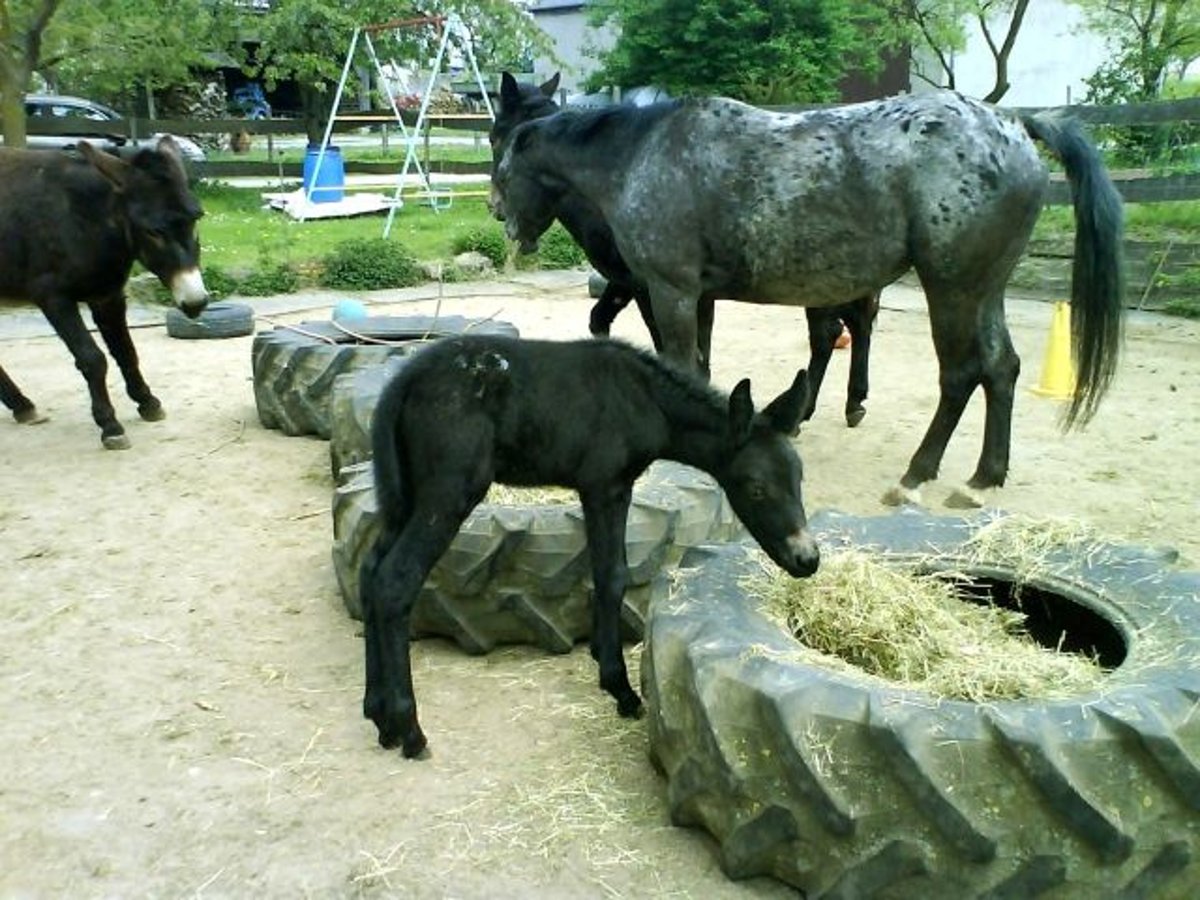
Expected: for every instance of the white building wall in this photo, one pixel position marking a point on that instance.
(1052, 56)
(573, 39)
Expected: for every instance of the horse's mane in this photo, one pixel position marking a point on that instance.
(622, 123)
(674, 379)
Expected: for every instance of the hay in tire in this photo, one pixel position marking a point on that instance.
(848, 785)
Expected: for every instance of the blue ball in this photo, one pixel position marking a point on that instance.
(345, 310)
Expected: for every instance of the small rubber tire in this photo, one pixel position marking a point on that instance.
(845, 785)
(294, 367)
(521, 574)
(218, 320)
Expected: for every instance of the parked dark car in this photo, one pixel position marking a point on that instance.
(56, 106)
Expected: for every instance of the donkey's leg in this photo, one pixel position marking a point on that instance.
(824, 326)
(1001, 367)
(860, 320)
(22, 407)
(64, 316)
(956, 340)
(109, 315)
(605, 510)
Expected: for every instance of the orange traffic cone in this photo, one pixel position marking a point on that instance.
(843, 339)
(1058, 369)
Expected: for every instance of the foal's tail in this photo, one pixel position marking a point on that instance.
(391, 496)
(1097, 277)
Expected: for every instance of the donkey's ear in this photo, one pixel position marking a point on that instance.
(550, 86)
(741, 411)
(510, 91)
(115, 170)
(784, 412)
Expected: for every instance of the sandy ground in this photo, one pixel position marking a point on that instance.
(181, 686)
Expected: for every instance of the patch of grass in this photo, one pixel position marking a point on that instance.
(238, 234)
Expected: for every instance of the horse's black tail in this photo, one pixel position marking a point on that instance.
(1098, 276)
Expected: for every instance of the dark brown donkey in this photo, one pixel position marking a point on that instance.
(71, 227)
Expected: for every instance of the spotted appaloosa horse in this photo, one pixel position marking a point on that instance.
(589, 415)
(519, 102)
(71, 228)
(712, 197)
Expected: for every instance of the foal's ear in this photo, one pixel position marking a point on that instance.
(784, 412)
(741, 411)
(549, 87)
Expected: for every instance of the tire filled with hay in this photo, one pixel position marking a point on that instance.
(909, 758)
(519, 570)
(294, 366)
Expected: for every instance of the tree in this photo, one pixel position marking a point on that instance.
(101, 47)
(1149, 38)
(22, 28)
(774, 51)
(940, 27)
(307, 40)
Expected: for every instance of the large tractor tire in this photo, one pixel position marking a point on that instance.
(850, 786)
(521, 574)
(294, 366)
(351, 408)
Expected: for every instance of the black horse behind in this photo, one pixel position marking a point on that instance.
(71, 227)
(584, 221)
(469, 411)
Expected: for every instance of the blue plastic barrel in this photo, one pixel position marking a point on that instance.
(326, 183)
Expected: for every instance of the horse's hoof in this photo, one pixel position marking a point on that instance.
(967, 498)
(116, 442)
(854, 417)
(30, 416)
(152, 412)
(900, 495)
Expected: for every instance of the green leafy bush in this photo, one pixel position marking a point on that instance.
(488, 240)
(558, 250)
(219, 282)
(266, 282)
(370, 264)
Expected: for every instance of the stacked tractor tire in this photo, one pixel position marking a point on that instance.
(840, 784)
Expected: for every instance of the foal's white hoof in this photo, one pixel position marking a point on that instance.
(968, 498)
(900, 495)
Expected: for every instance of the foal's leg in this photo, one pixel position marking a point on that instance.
(391, 579)
(22, 407)
(64, 316)
(956, 340)
(109, 315)
(824, 326)
(605, 510)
